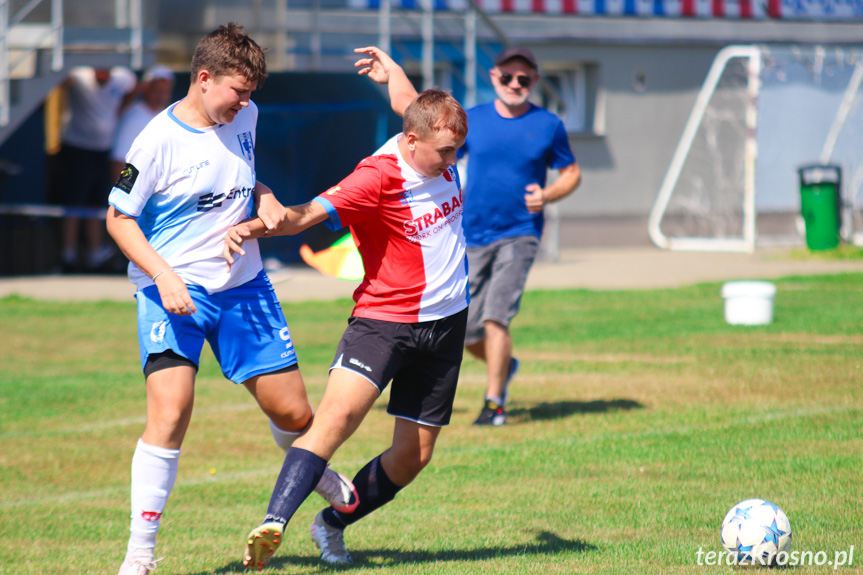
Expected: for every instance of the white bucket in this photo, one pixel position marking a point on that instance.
(748, 302)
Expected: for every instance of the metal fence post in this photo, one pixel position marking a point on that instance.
(4, 63)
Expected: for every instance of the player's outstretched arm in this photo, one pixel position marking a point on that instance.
(134, 245)
(297, 219)
(383, 70)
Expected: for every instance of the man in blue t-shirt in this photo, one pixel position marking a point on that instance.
(510, 146)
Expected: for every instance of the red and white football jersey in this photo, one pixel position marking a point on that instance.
(408, 229)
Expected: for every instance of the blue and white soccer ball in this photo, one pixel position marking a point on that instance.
(756, 531)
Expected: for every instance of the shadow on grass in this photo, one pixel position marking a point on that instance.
(559, 409)
(546, 543)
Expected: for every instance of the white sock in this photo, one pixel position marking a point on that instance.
(284, 439)
(154, 470)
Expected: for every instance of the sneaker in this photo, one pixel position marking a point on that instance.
(138, 565)
(338, 491)
(262, 544)
(491, 414)
(514, 364)
(330, 541)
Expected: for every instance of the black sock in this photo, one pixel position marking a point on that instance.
(301, 472)
(375, 490)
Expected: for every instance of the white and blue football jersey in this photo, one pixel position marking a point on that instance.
(186, 187)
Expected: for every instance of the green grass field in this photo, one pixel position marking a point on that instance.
(637, 420)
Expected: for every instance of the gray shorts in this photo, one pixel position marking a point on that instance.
(498, 273)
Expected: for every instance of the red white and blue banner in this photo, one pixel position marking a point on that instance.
(744, 9)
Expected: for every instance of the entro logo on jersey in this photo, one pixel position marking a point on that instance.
(209, 201)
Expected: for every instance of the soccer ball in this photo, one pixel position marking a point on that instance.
(756, 531)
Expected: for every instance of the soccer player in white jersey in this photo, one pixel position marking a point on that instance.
(189, 177)
(404, 208)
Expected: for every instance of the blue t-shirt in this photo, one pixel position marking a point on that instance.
(505, 156)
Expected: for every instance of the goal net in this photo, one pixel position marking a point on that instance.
(762, 114)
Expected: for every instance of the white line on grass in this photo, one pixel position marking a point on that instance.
(111, 491)
(111, 423)
(792, 413)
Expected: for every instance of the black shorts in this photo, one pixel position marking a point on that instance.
(85, 178)
(421, 359)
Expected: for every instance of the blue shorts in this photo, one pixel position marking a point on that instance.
(245, 326)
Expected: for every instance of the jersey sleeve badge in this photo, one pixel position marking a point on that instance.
(127, 178)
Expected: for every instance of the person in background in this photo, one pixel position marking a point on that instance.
(155, 90)
(94, 99)
(511, 145)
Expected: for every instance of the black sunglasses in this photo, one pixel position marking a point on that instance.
(523, 81)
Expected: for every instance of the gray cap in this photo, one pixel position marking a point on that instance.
(158, 72)
(516, 52)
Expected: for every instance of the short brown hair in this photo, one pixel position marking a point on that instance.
(228, 50)
(432, 111)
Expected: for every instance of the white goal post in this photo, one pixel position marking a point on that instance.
(761, 114)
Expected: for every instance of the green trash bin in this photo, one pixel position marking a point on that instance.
(820, 205)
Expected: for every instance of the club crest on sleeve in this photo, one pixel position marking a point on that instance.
(246, 145)
(127, 178)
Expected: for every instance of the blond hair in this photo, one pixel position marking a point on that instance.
(227, 51)
(432, 111)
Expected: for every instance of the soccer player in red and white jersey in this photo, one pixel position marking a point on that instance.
(404, 209)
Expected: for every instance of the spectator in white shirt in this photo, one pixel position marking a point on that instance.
(95, 98)
(156, 89)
